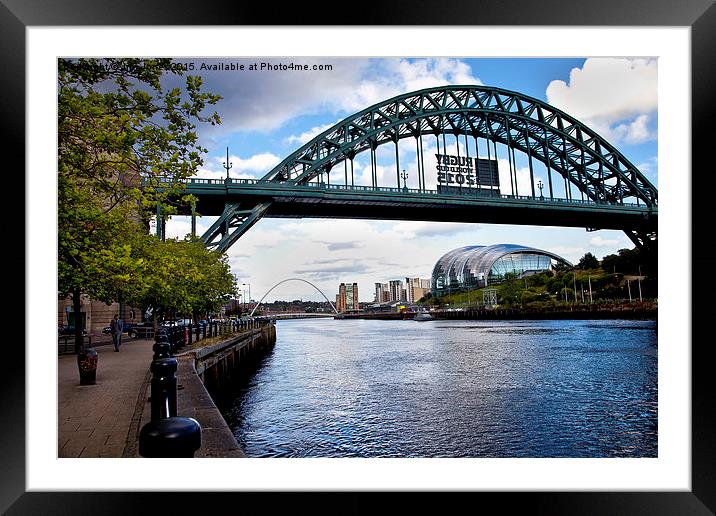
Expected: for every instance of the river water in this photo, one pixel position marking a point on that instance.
(360, 388)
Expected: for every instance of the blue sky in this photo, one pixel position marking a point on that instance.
(266, 115)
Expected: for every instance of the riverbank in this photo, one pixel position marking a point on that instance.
(634, 311)
(104, 419)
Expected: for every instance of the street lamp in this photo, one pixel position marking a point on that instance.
(640, 299)
(227, 165)
(404, 175)
(249, 285)
(540, 185)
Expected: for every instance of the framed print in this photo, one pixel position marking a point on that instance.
(669, 471)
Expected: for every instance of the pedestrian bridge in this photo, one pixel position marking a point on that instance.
(575, 178)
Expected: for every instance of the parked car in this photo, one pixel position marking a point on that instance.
(126, 328)
(69, 330)
(141, 330)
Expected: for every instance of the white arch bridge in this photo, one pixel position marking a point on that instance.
(293, 279)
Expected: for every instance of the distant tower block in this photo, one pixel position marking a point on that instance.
(489, 297)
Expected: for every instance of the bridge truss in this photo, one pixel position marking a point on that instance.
(581, 167)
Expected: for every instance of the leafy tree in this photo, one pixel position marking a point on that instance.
(182, 276)
(561, 267)
(631, 261)
(120, 136)
(510, 289)
(588, 261)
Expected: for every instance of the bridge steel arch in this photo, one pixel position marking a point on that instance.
(563, 144)
(293, 279)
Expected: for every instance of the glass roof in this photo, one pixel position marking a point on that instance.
(467, 265)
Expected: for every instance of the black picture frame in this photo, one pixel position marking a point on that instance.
(700, 15)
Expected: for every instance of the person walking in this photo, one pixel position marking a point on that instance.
(116, 325)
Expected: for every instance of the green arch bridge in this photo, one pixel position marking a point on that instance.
(587, 181)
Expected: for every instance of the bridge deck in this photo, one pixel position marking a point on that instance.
(364, 202)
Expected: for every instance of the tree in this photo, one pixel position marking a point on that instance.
(511, 289)
(588, 261)
(120, 136)
(562, 267)
(182, 276)
(631, 261)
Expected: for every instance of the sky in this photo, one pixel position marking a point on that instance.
(269, 113)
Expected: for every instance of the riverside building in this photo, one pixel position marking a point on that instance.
(479, 266)
(397, 292)
(347, 298)
(415, 288)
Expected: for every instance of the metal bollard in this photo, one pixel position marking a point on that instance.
(164, 388)
(177, 335)
(189, 334)
(161, 346)
(170, 437)
(173, 339)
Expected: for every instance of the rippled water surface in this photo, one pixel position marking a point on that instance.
(359, 388)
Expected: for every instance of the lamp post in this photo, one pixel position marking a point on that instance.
(640, 299)
(249, 285)
(540, 185)
(404, 175)
(227, 165)
(574, 281)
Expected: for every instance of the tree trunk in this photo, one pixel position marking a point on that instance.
(79, 341)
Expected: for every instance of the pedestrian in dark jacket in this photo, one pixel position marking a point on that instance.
(116, 325)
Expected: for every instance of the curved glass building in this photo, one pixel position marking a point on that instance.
(479, 266)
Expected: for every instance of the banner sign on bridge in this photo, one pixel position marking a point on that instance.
(462, 171)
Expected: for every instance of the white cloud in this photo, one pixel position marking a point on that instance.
(614, 96)
(254, 165)
(432, 229)
(310, 134)
(246, 168)
(650, 168)
(571, 254)
(397, 76)
(636, 131)
(264, 101)
(649, 165)
(598, 241)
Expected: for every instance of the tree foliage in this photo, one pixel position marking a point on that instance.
(588, 261)
(124, 139)
(117, 123)
(510, 289)
(631, 261)
(183, 276)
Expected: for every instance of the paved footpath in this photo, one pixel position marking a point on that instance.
(95, 420)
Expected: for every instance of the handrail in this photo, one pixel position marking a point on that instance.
(464, 192)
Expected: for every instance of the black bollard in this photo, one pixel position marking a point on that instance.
(170, 437)
(189, 334)
(161, 350)
(161, 346)
(173, 339)
(164, 388)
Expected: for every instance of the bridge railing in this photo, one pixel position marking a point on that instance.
(466, 192)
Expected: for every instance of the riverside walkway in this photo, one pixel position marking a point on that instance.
(104, 419)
